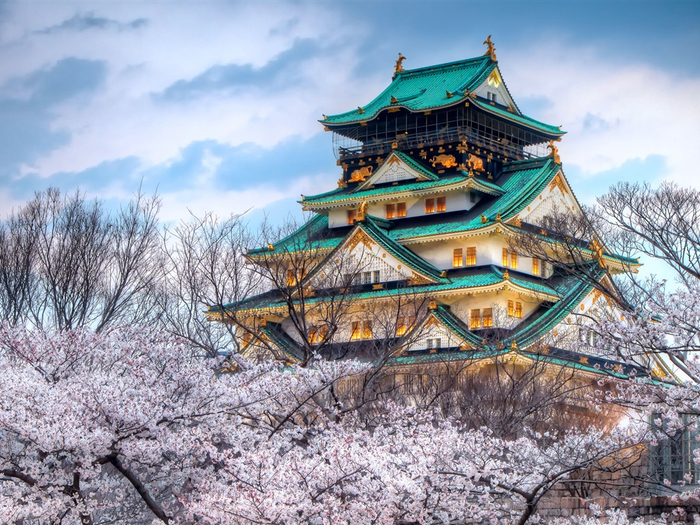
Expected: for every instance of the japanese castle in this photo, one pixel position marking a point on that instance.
(412, 257)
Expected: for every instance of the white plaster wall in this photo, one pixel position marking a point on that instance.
(415, 206)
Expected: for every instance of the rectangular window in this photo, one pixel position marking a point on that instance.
(401, 209)
(471, 256)
(390, 211)
(355, 335)
(291, 279)
(487, 318)
(457, 258)
(434, 343)
(535, 266)
(506, 257)
(366, 277)
(441, 204)
(352, 215)
(313, 334)
(514, 260)
(429, 205)
(515, 309)
(475, 319)
(376, 276)
(366, 329)
(401, 326)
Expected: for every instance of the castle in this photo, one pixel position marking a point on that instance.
(414, 258)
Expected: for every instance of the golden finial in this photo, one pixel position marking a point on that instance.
(394, 100)
(399, 64)
(554, 152)
(484, 220)
(360, 110)
(498, 216)
(449, 94)
(506, 275)
(491, 50)
(362, 210)
(443, 273)
(514, 345)
(270, 247)
(325, 117)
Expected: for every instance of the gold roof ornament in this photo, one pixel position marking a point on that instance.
(498, 216)
(394, 100)
(399, 64)
(270, 247)
(553, 152)
(360, 110)
(506, 275)
(362, 210)
(484, 220)
(514, 345)
(449, 94)
(491, 50)
(433, 304)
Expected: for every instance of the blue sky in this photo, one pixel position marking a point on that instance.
(214, 104)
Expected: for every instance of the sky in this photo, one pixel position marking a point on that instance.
(215, 105)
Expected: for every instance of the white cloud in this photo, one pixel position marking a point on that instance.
(612, 112)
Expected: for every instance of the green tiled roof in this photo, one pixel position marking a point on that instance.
(479, 277)
(424, 88)
(520, 119)
(526, 179)
(342, 195)
(403, 254)
(312, 236)
(522, 182)
(573, 290)
(281, 339)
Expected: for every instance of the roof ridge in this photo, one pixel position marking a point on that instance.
(444, 65)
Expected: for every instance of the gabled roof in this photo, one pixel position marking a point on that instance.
(435, 87)
(521, 181)
(376, 230)
(424, 88)
(482, 278)
(345, 197)
(422, 173)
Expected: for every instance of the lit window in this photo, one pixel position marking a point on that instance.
(366, 329)
(535, 266)
(457, 258)
(352, 215)
(471, 256)
(401, 326)
(514, 260)
(355, 335)
(475, 319)
(401, 209)
(441, 204)
(313, 334)
(506, 257)
(429, 205)
(515, 309)
(390, 211)
(487, 318)
(291, 279)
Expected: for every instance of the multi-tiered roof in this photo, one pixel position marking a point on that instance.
(440, 165)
